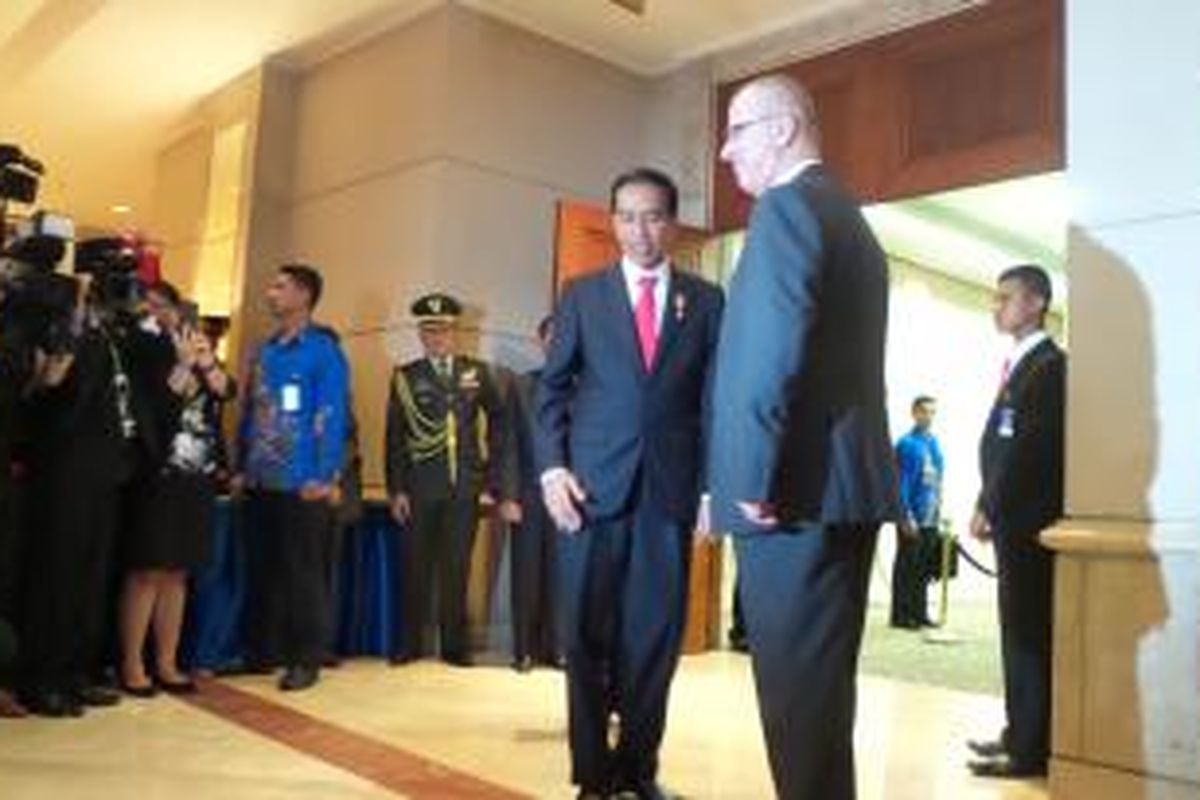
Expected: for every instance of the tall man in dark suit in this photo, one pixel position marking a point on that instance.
(445, 431)
(800, 464)
(1021, 461)
(534, 539)
(620, 415)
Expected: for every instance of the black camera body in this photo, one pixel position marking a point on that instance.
(19, 174)
(38, 305)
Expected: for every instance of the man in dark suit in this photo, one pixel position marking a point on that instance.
(620, 414)
(445, 431)
(801, 468)
(534, 559)
(1021, 461)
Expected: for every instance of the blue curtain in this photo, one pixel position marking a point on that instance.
(364, 581)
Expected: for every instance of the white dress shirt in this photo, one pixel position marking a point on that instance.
(634, 273)
(1022, 348)
(791, 174)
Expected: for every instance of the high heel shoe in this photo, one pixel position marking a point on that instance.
(185, 686)
(141, 692)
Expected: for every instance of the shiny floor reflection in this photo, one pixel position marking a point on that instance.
(431, 731)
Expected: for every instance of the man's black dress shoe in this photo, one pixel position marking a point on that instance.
(52, 703)
(299, 677)
(646, 790)
(457, 659)
(98, 696)
(523, 663)
(987, 749)
(1004, 767)
(255, 668)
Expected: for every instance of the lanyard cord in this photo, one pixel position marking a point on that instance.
(121, 388)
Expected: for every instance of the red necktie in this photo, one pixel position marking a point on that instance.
(646, 316)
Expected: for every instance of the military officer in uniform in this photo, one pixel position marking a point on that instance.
(445, 419)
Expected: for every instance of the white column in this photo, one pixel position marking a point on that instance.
(1127, 628)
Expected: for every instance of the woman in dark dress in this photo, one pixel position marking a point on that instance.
(184, 387)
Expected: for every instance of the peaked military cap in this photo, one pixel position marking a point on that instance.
(436, 307)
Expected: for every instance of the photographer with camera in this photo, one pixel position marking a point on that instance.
(89, 431)
(15, 371)
(37, 310)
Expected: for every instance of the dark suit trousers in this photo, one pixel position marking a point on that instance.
(10, 546)
(623, 584)
(909, 571)
(804, 594)
(440, 537)
(289, 567)
(1025, 588)
(65, 608)
(534, 568)
(10, 560)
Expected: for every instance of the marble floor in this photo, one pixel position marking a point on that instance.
(431, 731)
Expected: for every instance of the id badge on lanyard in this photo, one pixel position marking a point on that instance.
(1006, 423)
(290, 398)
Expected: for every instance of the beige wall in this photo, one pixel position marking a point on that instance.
(432, 157)
(199, 208)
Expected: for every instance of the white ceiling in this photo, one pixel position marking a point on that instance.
(975, 233)
(92, 87)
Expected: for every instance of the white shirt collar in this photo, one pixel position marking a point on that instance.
(633, 273)
(791, 174)
(1023, 347)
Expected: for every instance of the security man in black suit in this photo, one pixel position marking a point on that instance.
(533, 551)
(800, 465)
(1021, 462)
(445, 430)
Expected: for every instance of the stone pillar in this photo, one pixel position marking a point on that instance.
(1127, 632)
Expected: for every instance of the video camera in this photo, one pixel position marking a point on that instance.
(19, 174)
(37, 304)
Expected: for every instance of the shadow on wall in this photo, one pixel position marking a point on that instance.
(1120, 609)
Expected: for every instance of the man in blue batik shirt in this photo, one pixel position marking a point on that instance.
(919, 458)
(291, 448)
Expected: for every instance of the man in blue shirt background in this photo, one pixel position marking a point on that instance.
(919, 458)
(291, 449)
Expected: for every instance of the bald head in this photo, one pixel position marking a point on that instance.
(772, 127)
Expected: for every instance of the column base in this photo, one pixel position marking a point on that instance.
(1075, 780)
(1126, 716)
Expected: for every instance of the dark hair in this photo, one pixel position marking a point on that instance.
(650, 177)
(544, 326)
(921, 400)
(1032, 277)
(307, 278)
(164, 290)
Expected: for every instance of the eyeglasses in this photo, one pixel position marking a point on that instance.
(735, 129)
